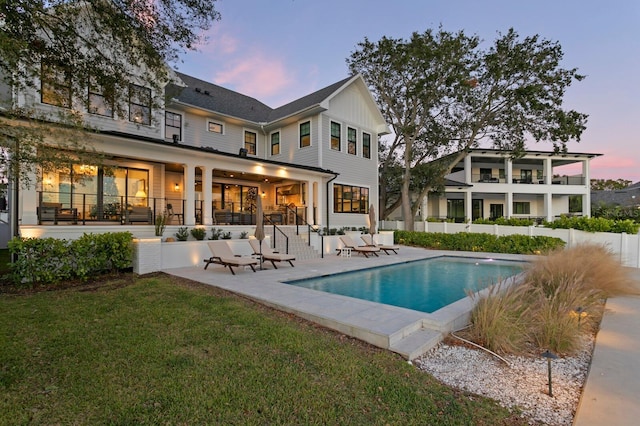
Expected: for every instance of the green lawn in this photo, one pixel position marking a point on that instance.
(161, 351)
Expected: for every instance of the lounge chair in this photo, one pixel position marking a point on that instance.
(268, 254)
(350, 244)
(222, 255)
(368, 240)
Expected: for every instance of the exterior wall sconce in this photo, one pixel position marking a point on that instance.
(176, 187)
(263, 194)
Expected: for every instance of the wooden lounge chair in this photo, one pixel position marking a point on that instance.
(368, 240)
(270, 255)
(350, 244)
(222, 255)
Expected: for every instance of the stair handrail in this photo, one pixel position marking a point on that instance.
(310, 229)
(266, 219)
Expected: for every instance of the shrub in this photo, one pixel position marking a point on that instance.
(161, 224)
(199, 233)
(182, 234)
(594, 224)
(50, 260)
(226, 235)
(479, 242)
(244, 235)
(216, 233)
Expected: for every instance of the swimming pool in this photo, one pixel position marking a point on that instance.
(424, 285)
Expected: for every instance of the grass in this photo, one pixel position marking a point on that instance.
(559, 300)
(160, 350)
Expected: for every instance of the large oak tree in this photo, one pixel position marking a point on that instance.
(101, 43)
(444, 93)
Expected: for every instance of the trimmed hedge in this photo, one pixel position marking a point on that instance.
(594, 224)
(480, 242)
(51, 260)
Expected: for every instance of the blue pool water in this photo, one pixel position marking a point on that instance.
(424, 285)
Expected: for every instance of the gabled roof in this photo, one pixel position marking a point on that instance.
(307, 102)
(211, 97)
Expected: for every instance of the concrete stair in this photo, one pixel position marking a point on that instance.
(298, 244)
(416, 343)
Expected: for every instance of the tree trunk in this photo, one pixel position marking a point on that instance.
(405, 194)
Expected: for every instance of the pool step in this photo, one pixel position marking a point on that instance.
(417, 343)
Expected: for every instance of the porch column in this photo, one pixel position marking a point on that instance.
(508, 169)
(586, 196)
(508, 203)
(189, 193)
(548, 206)
(309, 201)
(548, 171)
(467, 169)
(27, 204)
(207, 195)
(468, 206)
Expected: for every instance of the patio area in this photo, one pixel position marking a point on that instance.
(404, 331)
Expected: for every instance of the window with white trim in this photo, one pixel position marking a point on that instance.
(55, 80)
(139, 104)
(352, 141)
(172, 125)
(250, 139)
(366, 145)
(214, 127)
(305, 134)
(275, 143)
(335, 136)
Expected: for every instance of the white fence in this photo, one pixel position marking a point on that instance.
(626, 247)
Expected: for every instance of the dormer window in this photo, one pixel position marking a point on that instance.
(139, 104)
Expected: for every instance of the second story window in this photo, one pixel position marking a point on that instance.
(172, 126)
(366, 145)
(139, 104)
(275, 143)
(100, 103)
(250, 142)
(352, 141)
(214, 127)
(55, 85)
(335, 136)
(305, 134)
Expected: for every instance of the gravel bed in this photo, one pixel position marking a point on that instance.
(523, 384)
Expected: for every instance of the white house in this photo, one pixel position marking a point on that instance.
(205, 155)
(487, 183)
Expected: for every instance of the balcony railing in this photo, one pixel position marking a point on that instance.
(558, 180)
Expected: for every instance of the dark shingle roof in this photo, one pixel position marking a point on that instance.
(209, 96)
(215, 98)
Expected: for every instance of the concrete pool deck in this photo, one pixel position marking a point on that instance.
(407, 332)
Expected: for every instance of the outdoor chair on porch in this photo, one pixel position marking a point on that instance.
(222, 255)
(173, 214)
(269, 255)
(364, 250)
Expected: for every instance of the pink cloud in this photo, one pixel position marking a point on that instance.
(256, 75)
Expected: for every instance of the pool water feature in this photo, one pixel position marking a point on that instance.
(423, 285)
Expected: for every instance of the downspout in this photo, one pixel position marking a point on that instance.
(335, 175)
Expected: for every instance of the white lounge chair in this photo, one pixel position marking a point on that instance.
(350, 244)
(368, 240)
(268, 254)
(222, 255)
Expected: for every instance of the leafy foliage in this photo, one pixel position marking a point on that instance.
(198, 233)
(479, 242)
(182, 234)
(94, 44)
(594, 224)
(443, 94)
(51, 260)
(609, 184)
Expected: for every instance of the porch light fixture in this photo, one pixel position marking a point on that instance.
(263, 194)
(176, 187)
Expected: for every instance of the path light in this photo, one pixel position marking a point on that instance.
(549, 356)
(580, 312)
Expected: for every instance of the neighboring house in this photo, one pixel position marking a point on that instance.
(487, 183)
(626, 197)
(206, 154)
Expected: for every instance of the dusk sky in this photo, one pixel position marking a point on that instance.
(280, 50)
